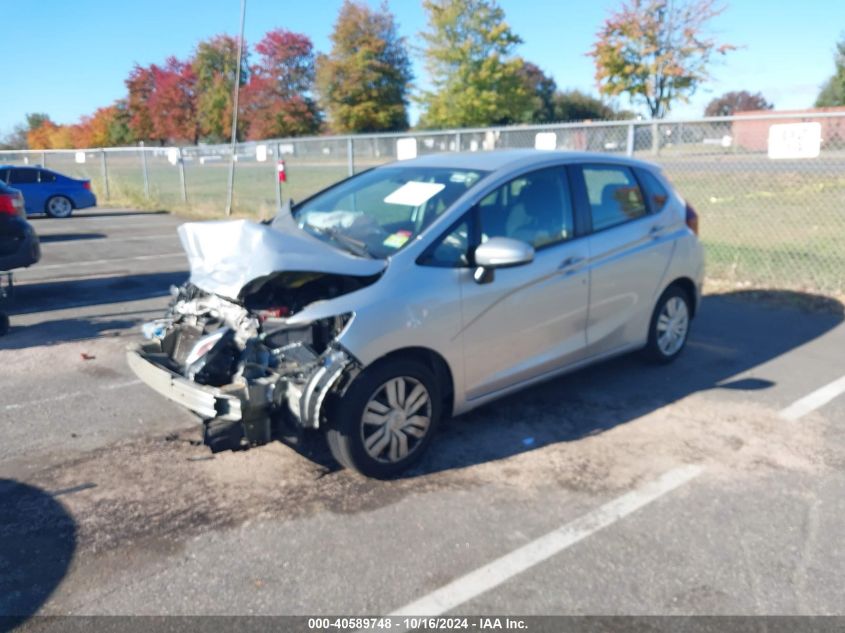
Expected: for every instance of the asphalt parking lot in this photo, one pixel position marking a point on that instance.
(713, 486)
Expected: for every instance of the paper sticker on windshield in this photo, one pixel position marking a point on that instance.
(413, 194)
(397, 239)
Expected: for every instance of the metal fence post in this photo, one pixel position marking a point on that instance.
(144, 166)
(457, 141)
(655, 138)
(629, 142)
(182, 176)
(105, 171)
(276, 184)
(350, 156)
(43, 159)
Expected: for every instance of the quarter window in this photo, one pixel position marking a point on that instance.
(23, 176)
(614, 195)
(654, 190)
(451, 250)
(47, 176)
(534, 208)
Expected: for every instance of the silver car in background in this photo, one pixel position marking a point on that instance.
(423, 289)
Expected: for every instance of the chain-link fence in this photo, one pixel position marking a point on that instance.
(765, 220)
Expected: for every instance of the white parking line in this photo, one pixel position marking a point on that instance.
(814, 400)
(93, 262)
(493, 574)
(67, 395)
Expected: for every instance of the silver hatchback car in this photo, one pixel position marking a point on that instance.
(422, 289)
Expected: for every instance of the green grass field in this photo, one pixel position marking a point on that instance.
(763, 223)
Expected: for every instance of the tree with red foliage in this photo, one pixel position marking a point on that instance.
(277, 99)
(172, 103)
(140, 85)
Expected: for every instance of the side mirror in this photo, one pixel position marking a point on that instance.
(500, 252)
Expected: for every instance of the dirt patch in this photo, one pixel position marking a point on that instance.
(168, 489)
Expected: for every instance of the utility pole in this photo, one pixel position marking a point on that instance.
(235, 114)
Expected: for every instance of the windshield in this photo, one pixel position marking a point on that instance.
(376, 213)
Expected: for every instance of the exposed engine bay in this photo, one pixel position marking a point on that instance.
(229, 347)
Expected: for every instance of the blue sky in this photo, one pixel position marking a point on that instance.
(69, 58)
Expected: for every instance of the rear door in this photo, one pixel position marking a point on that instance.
(629, 249)
(25, 179)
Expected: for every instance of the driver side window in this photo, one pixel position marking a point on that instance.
(534, 208)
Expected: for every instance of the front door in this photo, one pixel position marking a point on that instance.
(530, 319)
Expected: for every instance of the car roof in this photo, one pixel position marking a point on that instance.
(508, 159)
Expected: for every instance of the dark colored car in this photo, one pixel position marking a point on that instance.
(19, 245)
(47, 191)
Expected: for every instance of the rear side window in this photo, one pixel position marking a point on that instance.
(614, 195)
(655, 192)
(23, 176)
(47, 176)
(4, 175)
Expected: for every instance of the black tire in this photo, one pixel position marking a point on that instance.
(58, 207)
(653, 351)
(346, 427)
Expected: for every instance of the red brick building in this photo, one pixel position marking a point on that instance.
(754, 135)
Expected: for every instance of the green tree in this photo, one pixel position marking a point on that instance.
(541, 90)
(363, 82)
(470, 60)
(574, 105)
(833, 90)
(656, 51)
(215, 65)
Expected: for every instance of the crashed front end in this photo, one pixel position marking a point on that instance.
(247, 369)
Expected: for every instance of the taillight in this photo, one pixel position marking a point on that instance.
(86, 184)
(11, 204)
(692, 219)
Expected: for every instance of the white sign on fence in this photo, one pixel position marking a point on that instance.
(406, 148)
(173, 155)
(795, 140)
(79, 157)
(261, 153)
(545, 140)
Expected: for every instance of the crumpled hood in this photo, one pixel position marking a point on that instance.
(224, 256)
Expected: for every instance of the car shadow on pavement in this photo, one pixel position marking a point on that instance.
(732, 333)
(38, 539)
(70, 237)
(48, 295)
(51, 296)
(100, 214)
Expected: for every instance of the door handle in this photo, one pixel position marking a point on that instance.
(569, 262)
(656, 230)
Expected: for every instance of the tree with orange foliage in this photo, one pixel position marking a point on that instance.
(656, 51)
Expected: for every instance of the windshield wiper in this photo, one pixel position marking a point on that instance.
(356, 247)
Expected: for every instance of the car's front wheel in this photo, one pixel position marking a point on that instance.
(669, 326)
(386, 419)
(59, 207)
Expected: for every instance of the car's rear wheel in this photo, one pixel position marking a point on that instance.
(386, 419)
(59, 207)
(669, 326)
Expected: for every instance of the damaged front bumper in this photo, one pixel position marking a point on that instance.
(248, 412)
(147, 361)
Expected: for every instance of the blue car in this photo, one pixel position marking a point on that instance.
(47, 191)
